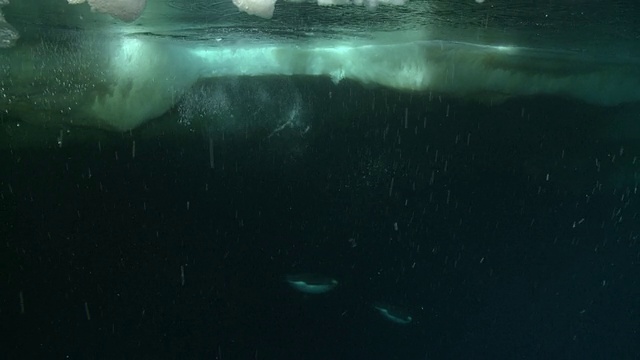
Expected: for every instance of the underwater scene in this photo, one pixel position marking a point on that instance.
(330, 179)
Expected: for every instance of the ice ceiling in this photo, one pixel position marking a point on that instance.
(116, 64)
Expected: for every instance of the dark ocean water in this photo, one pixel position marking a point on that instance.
(508, 231)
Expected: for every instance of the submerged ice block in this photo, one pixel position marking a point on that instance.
(8, 34)
(121, 82)
(114, 84)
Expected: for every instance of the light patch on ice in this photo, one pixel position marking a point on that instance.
(465, 70)
(368, 3)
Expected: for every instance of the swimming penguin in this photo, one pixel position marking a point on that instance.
(311, 283)
(393, 313)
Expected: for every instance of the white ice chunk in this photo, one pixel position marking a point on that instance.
(125, 10)
(262, 8)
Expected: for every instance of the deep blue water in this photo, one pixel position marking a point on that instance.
(508, 231)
